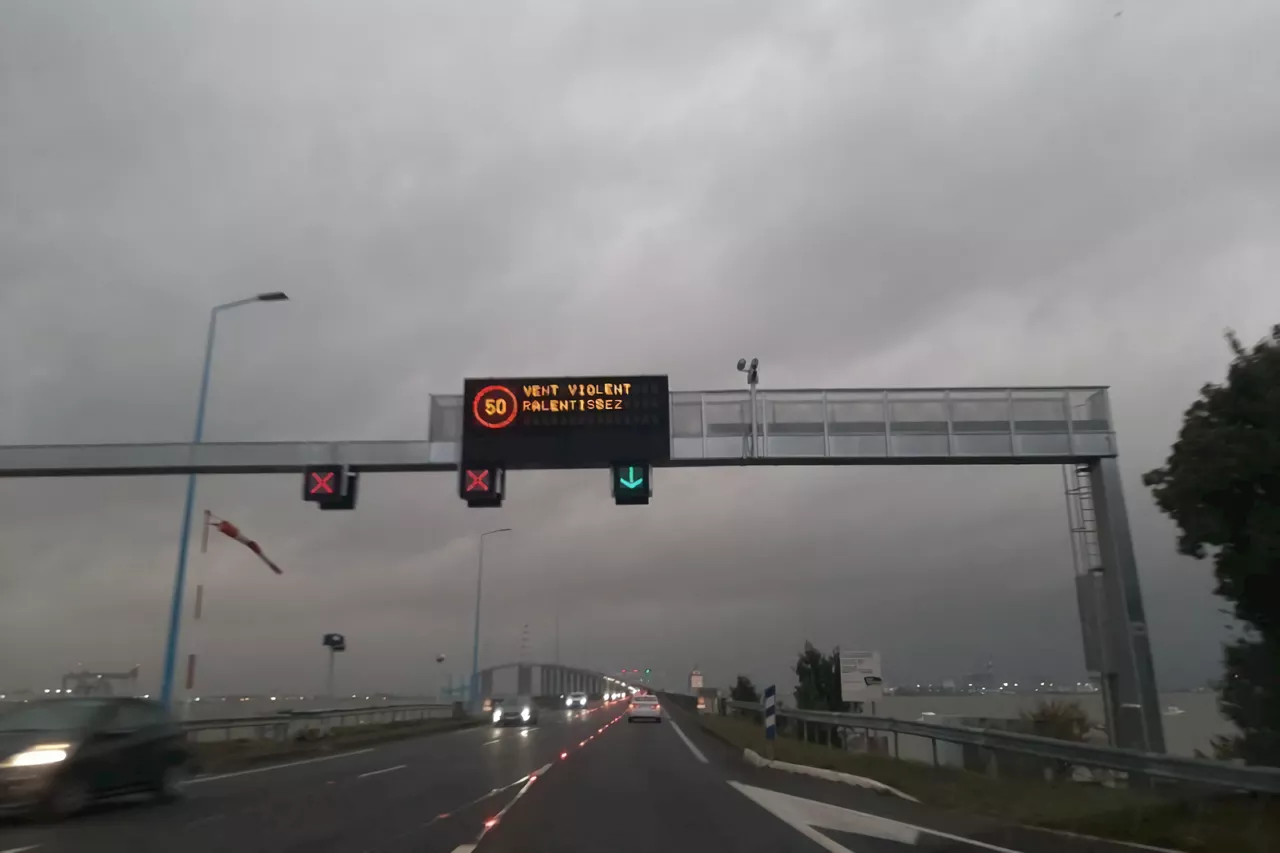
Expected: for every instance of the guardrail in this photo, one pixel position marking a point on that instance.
(1216, 774)
(291, 725)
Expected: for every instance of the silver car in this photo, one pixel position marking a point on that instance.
(644, 707)
(519, 711)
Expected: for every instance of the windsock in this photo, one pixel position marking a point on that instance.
(228, 529)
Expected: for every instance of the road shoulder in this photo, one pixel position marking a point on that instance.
(921, 818)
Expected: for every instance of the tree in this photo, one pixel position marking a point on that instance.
(818, 689)
(819, 680)
(744, 691)
(1061, 721)
(1221, 486)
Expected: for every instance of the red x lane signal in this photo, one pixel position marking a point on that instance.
(329, 486)
(322, 482)
(481, 486)
(477, 480)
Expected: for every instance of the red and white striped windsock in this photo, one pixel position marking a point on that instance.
(228, 529)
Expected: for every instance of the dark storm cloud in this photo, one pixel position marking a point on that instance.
(861, 194)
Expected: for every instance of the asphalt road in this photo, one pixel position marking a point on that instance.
(576, 782)
(425, 794)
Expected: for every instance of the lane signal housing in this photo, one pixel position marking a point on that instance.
(330, 486)
(632, 483)
(482, 485)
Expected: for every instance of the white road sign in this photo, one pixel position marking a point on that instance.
(860, 679)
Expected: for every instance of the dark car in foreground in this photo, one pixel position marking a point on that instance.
(58, 755)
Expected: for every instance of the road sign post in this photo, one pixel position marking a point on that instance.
(770, 719)
(592, 423)
(334, 643)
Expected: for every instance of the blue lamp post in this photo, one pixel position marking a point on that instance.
(180, 576)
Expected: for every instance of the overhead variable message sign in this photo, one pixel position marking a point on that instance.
(566, 422)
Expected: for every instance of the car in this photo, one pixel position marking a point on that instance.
(520, 711)
(644, 708)
(577, 699)
(59, 755)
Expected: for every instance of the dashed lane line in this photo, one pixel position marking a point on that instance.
(199, 779)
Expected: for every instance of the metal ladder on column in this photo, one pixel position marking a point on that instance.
(1082, 516)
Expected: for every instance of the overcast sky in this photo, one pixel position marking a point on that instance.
(861, 194)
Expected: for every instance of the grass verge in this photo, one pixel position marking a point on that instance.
(1202, 824)
(223, 756)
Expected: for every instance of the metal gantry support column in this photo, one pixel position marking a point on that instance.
(1138, 722)
(486, 684)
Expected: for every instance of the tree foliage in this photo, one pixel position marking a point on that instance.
(1221, 486)
(818, 687)
(744, 691)
(1059, 719)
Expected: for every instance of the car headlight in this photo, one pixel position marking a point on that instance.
(524, 713)
(497, 715)
(568, 703)
(45, 753)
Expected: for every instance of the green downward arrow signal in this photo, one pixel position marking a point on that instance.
(631, 481)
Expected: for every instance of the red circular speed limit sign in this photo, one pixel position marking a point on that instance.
(495, 406)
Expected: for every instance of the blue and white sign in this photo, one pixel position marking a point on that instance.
(771, 712)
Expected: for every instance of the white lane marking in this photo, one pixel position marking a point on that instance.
(20, 849)
(1104, 841)
(461, 848)
(269, 768)
(803, 815)
(489, 742)
(383, 770)
(697, 753)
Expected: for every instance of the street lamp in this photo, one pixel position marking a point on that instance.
(753, 378)
(475, 643)
(180, 575)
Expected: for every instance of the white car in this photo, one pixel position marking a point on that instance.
(576, 700)
(644, 708)
(520, 711)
